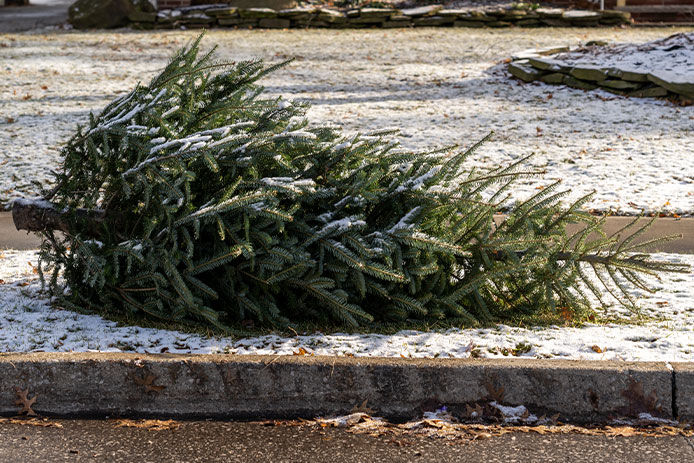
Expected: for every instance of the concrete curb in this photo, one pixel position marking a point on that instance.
(229, 386)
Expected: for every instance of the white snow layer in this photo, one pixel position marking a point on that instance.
(672, 57)
(441, 86)
(29, 323)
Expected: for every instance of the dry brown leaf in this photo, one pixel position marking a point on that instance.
(598, 349)
(25, 402)
(362, 408)
(494, 393)
(639, 401)
(34, 270)
(154, 425)
(42, 422)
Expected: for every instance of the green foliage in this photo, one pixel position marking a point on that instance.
(222, 206)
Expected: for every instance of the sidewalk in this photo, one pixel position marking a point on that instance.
(39, 13)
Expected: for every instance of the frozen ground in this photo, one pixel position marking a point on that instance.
(441, 86)
(28, 323)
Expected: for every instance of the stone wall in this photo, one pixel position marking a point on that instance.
(225, 15)
(170, 4)
(538, 65)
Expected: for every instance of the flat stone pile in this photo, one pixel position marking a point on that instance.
(219, 15)
(662, 68)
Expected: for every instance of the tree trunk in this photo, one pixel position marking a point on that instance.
(41, 215)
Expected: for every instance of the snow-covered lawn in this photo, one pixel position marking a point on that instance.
(29, 323)
(441, 86)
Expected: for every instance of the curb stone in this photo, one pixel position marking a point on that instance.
(683, 388)
(230, 386)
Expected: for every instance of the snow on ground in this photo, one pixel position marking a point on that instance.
(672, 57)
(441, 86)
(28, 323)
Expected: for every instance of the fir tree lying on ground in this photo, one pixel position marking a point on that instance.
(218, 206)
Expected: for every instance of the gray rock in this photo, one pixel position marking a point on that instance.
(547, 64)
(575, 83)
(257, 13)
(616, 91)
(651, 92)
(549, 12)
(223, 12)
(433, 21)
(555, 78)
(237, 22)
(580, 15)
(466, 23)
(499, 24)
(396, 24)
(272, 4)
(298, 13)
(631, 76)
(332, 16)
(594, 74)
(367, 20)
(429, 10)
(197, 18)
(274, 23)
(377, 12)
(475, 15)
(528, 22)
(554, 22)
(523, 71)
(103, 14)
(673, 83)
(620, 84)
(452, 12)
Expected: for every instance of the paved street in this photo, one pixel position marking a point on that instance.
(39, 13)
(96, 441)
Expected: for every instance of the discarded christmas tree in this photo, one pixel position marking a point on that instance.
(192, 198)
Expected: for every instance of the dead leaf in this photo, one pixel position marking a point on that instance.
(148, 383)
(362, 408)
(494, 393)
(41, 422)
(639, 401)
(301, 351)
(154, 425)
(25, 402)
(598, 349)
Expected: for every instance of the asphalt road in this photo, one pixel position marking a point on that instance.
(39, 13)
(97, 441)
